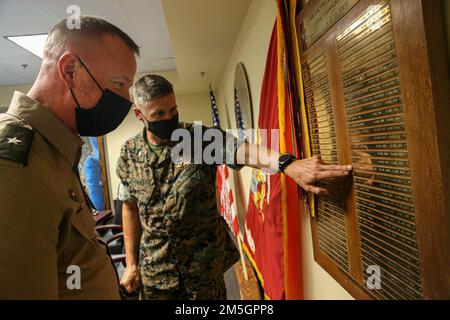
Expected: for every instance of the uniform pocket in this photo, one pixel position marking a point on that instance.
(84, 225)
(191, 180)
(83, 249)
(142, 189)
(185, 175)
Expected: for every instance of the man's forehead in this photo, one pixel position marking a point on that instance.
(121, 59)
(157, 104)
(153, 105)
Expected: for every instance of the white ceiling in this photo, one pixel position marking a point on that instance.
(179, 38)
(143, 20)
(203, 34)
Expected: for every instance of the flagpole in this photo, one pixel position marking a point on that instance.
(239, 207)
(233, 205)
(241, 252)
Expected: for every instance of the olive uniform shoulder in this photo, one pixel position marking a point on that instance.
(16, 140)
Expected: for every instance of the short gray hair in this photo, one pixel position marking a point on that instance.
(151, 87)
(90, 26)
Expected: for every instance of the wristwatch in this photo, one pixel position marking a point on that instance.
(284, 160)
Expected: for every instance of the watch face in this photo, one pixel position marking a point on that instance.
(284, 161)
(285, 157)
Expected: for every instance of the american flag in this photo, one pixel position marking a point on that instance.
(239, 119)
(215, 111)
(226, 203)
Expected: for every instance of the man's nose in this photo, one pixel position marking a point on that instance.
(125, 93)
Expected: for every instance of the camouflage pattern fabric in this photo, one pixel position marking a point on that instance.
(214, 289)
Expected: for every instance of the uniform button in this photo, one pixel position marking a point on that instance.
(73, 195)
(80, 208)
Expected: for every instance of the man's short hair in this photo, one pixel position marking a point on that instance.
(151, 87)
(90, 26)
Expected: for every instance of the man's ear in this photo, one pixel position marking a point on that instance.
(137, 113)
(67, 65)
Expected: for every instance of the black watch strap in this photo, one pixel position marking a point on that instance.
(284, 160)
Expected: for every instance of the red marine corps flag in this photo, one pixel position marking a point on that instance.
(272, 225)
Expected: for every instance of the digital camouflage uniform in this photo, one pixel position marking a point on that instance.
(185, 247)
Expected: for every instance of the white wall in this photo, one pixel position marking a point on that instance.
(251, 48)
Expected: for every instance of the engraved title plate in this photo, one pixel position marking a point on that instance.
(324, 17)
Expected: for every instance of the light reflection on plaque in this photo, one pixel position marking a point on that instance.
(379, 152)
(324, 17)
(331, 230)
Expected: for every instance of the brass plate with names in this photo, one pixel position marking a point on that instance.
(329, 210)
(379, 152)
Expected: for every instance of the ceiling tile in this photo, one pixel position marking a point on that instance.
(10, 49)
(164, 64)
(23, 17)
(9, 78)
(107, 9)
(144, 66)
(146, 18)
(158, 51)
(143, 20)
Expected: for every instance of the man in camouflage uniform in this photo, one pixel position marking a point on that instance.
(170, 208)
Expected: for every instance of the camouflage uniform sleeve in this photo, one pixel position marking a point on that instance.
(229, 148)
(123, 173)
(124, 194)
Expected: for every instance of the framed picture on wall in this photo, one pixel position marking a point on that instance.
(93, 172)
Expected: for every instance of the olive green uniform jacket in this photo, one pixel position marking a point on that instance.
(47, 232)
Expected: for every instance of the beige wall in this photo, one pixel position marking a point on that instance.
(251, 49)
(6, 93)
(192, 107)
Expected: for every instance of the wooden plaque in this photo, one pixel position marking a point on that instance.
(376, 90)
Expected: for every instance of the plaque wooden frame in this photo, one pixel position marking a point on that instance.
(425, 91)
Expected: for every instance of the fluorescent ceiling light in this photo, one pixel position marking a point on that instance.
(33, 43)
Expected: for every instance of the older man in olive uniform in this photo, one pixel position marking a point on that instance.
(170, 214)
(48, 246)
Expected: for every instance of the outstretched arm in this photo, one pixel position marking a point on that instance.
(305, 172)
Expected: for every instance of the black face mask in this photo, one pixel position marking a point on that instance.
(163, 129)
(106, 116)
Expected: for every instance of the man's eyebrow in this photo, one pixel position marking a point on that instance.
(122, 78)
(156, 111)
